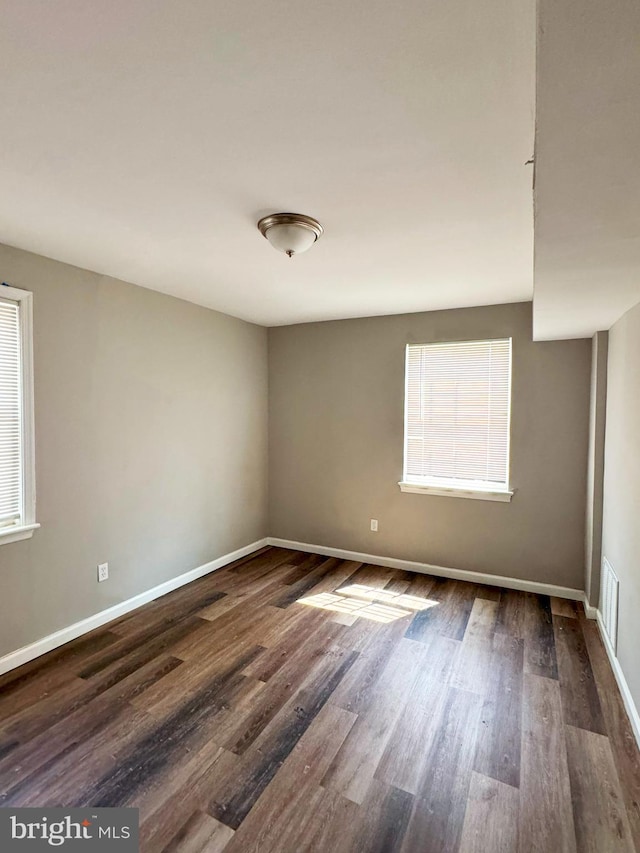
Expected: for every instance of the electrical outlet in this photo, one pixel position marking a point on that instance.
(374, 525)
(103, 572)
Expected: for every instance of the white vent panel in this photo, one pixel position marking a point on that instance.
(609, 602)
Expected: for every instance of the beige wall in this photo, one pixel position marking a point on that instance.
(621, 528)
(335, 455)
(151, 421)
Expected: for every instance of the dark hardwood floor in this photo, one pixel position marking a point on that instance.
(259, 709)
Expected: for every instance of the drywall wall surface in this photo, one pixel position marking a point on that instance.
(151, 425)
(336, 447)
(621, 516)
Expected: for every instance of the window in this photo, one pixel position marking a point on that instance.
(457, 419)
(17, 484)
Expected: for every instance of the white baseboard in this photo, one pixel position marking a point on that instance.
(627, 698)
(590, 611)
(438, 571)
(72, 632)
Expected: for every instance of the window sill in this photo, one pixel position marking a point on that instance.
(15, 534)
(473, 494)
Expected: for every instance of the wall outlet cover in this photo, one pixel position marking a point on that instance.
(103, 572)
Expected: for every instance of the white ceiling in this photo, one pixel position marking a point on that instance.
(587, 228)
(144, 140)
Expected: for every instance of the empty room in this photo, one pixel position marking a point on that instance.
(320, 427)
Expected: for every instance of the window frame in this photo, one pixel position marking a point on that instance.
(474, 491)
(26, 524)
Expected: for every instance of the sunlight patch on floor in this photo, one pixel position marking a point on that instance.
(398, 599)
(380, 605)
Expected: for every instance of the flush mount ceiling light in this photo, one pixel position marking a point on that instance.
(290, 233)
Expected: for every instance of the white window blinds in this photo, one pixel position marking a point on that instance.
(11, 474)
(457, 413)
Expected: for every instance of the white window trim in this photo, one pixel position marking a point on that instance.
(27, 523)
(463, 491)
(454, 492)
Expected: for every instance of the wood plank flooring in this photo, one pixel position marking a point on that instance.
(293, 702)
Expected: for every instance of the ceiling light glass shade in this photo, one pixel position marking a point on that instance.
(291, 233)
(291, 239)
